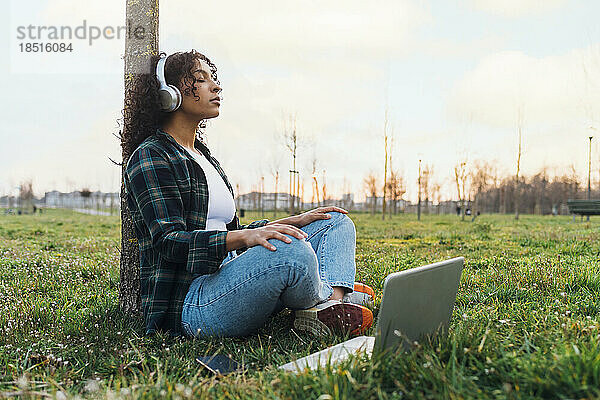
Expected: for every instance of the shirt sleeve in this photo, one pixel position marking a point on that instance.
(255, 224)
(151, 183)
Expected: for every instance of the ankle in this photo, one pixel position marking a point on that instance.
(338, 293)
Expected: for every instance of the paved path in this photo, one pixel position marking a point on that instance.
(91, 211)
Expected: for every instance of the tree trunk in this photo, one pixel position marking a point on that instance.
(385, 144)
(373, 204)
(276, 183)
(140, 44)
(517, 188)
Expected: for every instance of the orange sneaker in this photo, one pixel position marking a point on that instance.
(334, 317)
(362, 295)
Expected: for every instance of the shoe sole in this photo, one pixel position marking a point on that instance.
(339, 318)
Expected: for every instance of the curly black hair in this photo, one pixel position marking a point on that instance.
(142, 114)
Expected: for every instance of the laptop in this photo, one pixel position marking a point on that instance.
(416, 303)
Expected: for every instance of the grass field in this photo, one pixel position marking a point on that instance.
(525, 324)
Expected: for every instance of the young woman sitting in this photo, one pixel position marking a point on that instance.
(201, 272)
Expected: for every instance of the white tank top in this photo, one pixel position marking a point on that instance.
(221, 207)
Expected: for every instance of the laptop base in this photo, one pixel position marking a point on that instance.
(333, 354)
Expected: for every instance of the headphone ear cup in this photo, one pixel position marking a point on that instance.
(170, 98)
(178, 96)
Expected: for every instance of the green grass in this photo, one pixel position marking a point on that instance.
(525, 323)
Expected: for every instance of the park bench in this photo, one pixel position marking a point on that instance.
(584, 207)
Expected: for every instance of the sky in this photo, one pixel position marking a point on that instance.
(453, 75)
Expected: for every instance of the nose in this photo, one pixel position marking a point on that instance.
(216, 89)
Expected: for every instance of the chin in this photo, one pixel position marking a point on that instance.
(212, 114)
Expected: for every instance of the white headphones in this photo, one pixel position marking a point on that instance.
(169, 96)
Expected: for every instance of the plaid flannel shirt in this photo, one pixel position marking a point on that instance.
(167, 195)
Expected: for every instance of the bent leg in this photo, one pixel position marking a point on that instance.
(334, 242)
(238, 299)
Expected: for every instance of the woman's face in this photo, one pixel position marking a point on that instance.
(204, 101)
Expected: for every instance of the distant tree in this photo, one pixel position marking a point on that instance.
(324, 189)
(480, 180)
(290, 138)
(86, 194)
(274, 167)
(540, 193)
(539, 182)
(276, 193)
(371, 187)
(395, 189)
(26, 196)
(436, 194)
(517, 187)
(425, 182)
(385, 164)
(255, 197)
(573, 182)
(395, 182)
(347, 201)
(315, 182)
(261, 197)
(460, 178)
(315, 193)
(494, 204)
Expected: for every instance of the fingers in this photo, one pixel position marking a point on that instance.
(274, 235)
(281, 237)
(334, 209)
(290, 230)
(321, 212)
(330, 209)
(264, 243)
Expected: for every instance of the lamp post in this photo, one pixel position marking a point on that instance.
(589, 193)
(590, 170)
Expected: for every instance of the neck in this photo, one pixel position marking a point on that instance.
(182, 128)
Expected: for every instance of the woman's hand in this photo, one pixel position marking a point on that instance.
(306, 218)
(260, 236)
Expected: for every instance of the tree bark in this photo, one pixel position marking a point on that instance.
(141, 42)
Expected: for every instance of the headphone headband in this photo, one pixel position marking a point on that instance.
(160, 70)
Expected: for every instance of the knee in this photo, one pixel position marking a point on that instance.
(298, 253)
(344, 221)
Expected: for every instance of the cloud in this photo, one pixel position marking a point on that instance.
(555, 90)
(516, 8)
(443, 47)
(289, 32)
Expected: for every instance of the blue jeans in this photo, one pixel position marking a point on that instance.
(238, 299)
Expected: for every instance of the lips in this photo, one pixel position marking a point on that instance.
(217, 99)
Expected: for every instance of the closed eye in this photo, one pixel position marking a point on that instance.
(203, 73)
